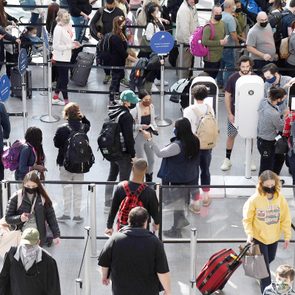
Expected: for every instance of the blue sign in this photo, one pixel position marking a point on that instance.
(45, 38)
(22, 61)
(162, 43)
(4, 88)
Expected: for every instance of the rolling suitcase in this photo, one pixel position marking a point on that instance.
(219, 268)
(82, 68)
(16, 83)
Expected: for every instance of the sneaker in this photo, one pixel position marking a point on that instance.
(158, 82)
(107, 79)
(196, 209)
(172, 233)
(63, 218)
(78, 219)
(226, 164)
(124, 82)
(58, 102)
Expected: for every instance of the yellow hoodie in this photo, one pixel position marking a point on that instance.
(265, 220)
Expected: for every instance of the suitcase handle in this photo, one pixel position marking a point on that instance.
(241, 255)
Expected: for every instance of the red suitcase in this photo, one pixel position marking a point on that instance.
(216, 272)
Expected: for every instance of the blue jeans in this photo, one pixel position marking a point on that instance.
(79, 21)
(227, 63)
(205, 161)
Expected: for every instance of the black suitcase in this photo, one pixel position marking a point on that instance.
(16, 83)
(82, 68)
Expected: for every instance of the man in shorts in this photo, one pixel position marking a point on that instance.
(245, 64)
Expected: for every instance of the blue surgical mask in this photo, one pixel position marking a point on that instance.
(271, 80)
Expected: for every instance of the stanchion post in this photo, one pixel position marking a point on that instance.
(180, 57)
(162, 122)
(92, 193)
(4, 187)
(248, 158)
(87, 265)
(193, 246)
(78, 287)
(24, 100)
(44, 93)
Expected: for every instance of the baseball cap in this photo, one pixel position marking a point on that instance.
(30, 236)
(130, 96)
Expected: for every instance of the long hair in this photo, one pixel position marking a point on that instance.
(52, 11)
(190, 142)
(3, 17)
(117, 30)
(32, 176)
(33, 136)
(149, 9)
(267, 175)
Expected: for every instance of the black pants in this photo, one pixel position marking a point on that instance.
(117, 76)
(269, 253)
(212, 65)
(269, 160)
(62, 78)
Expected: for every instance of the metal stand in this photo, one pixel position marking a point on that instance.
(78, 287)
(193, 245)
(49, 118)
(24, 100)
(248, 158)
(180, 57)
(87, 266)
(4, 186)
(92, 192)
(162, 122)
(44, 93)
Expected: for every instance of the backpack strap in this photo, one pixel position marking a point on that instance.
(137, 193)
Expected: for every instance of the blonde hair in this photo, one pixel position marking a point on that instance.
(60, 14)
(268, 175)
(71, 111)
(286, 271)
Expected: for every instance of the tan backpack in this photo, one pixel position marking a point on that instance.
(207, 129)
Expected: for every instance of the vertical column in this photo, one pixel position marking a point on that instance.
(92, 193)
(193, 246)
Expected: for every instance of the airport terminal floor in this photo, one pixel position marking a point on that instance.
(222, 220)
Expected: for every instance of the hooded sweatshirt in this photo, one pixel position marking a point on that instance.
(265, 220)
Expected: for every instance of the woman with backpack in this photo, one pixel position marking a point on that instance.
(31, 207)
(180, 162)
(32, 156)
(144, 117)
(118, 55)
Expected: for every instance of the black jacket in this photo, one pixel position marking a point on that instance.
(5, 125)
(126, 124)
(76, 6)
(42, 214)
(62, 134)
(7, 37)
(118, 51)
(42, 278)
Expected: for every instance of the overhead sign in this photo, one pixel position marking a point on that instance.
(22, 61)
(162, 43)
(4, 88)
(45, 38)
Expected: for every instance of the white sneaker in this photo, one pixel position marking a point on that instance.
(58, 102)
(158, 82)
(226, 164)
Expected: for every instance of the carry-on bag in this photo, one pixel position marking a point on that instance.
(16, 83)
(82, 68)
(219, 268)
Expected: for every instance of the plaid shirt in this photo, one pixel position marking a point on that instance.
(287, 126)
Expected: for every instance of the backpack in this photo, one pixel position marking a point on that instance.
(78, 157)
(10, 157)
(177, 89)
(27, 2)
(140, 17)
(195, 42)
(130, 201)
(110, 140)
(103, 44)
(284, 48)
(207, 129)
(137, 76)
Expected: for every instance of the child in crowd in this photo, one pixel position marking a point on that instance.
(283, 284)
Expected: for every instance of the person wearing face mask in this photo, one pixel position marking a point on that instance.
(144, 118)
(262, 50)
(290, 61)
(270, 124)
(241, 20)
(101, 24)
(283, 283)
(266, 215)
(179, 166)
(186, 23)
(31, 207)
(215, 46)
(28, 269)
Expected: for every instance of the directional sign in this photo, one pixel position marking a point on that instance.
(162, 43)
(4, 88)
(22, 61)
(45, 38)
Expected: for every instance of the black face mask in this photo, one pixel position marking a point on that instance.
(263, 25)
(30, 190)
(196, 1)
(269, 190)
(218, 17)
(238, 10)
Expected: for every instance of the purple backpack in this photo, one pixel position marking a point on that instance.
(10, 157)
(196, 46)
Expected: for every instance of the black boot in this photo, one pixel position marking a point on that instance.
(149, 177)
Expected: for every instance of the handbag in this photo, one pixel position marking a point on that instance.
(254, 264)
(284, 48)
(281, 146)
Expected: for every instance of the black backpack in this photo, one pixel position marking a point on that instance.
(275, 21)
(137, 75)
(110, 140)
(78, 157)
